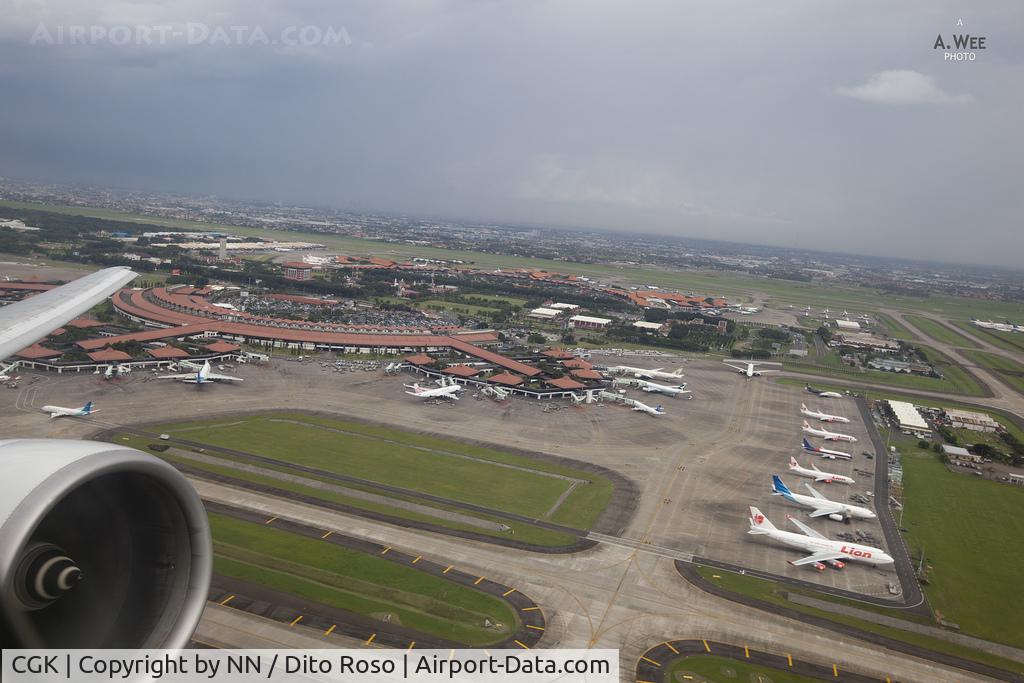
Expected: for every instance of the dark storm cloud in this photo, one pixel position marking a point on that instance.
(819, 124)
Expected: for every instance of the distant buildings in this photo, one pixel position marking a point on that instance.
(909, 419)
(863, 340)
(966, 419)
(891, 365)
(544, 313)
(297, 270)
(586, 322)
(848, 325)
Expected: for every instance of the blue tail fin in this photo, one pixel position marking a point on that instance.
(87, 408)
(808, 446)
(778, 487)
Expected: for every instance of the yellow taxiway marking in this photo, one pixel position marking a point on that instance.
(448, 569)
(385, 551)
(789, 658)
(520, 645)
(272, 519)
(535, 628)
(418, 558)
(410, 646)
(530, 609)
(835, 671)
(330, 630)
(227, 600)
(297, 620)
(327, 534)
(706, 646)
(651, 661)
(370, 639)
(478, 580)
(509, 592)
(669, 645)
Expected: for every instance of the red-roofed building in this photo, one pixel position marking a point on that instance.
(557, 354)
(419, 359)
(577, 364)
(85, 323)
(565, 383)
(168, 353)
(223, 347)
(37, 352)
(109, 356)
(297, 270)
(506, 378)
(587, 374)
(461, 370)
(57, 332)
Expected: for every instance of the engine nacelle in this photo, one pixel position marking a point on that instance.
(101, 546)
(835, 516)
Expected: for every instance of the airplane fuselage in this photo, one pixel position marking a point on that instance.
(854, 551)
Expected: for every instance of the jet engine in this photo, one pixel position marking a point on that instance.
(836, 517)
(101, 546)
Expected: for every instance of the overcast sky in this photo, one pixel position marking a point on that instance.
(824, 124)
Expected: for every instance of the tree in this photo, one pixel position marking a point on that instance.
(535, 338)
(922, 444)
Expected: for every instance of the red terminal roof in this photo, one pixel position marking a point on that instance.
(577, 363)
(109, 355)
(223, 347)
(419, 359)
(165, 352)
(565, 383)
(461, 370)
(37, 352)
(587, 374)
(148, 335)
(506, 378)
(558, 354)
(57, 332)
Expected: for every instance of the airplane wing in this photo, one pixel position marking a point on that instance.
(735, 367)
(817, 557)
(804, 528)
(181, 376)
(224, 378)
(822, 512)
(26, 322)
(815, 493)
(823, 477)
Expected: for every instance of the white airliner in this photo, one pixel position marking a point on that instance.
(750, 368)
(57, 411)
(823, 550)
(825, 452)
(824, 417)
(451, 391)
(819, 505)
(202, 375)
(656, 373)
(677, 390)
(823, 394)
(816, 474)
(827, 435)
(644, 408)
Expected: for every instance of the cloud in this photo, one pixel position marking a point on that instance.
(901, 86)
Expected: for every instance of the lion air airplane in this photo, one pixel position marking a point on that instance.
(820, 505)
(450, 391)
(677, 390)
(750, 368)
(822, 394)
(823, 550)
(656, 373)
(57, 411)
(824, 417)
(827, 435)
(816, 474)
(826, 453)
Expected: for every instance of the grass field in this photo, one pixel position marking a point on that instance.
(713, 283)
(724, 670)
(773, 593)
(954, 380)
(974, 549)
(463, 472)
(1006, 369)
(455, 307)
(358, 582)
(942, 333)
(895, 327)
(1008, 341)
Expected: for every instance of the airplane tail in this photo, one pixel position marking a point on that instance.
(417, 388)
(806, 425)
(779, 488)
(807, 445)
(803, 406)
(759, 524)
(793, 463)
(87, 408)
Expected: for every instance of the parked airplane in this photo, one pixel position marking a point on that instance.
(750, 367)
(656, 373)
(651, 387)
(202, 375)
(826, 453)
(827, 435)
(823, 550)
(823, 394)
(57, 411)
(642, 407)
(824, 417)
(451, 391)
(816, 474)
(819, 505)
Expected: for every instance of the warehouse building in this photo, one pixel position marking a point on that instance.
(909, 419)
(966, 419)
(586, 322)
